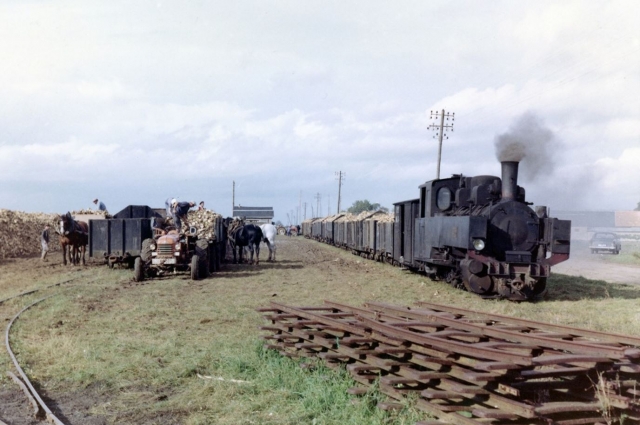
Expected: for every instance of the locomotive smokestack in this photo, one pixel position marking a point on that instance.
(509, 180)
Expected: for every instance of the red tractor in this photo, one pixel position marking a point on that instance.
(174, 252)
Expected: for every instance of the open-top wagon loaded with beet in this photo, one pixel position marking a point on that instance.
(476, 233)
(142, 238)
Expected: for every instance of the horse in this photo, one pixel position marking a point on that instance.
(77, 233)
(248, 235)
(65, 244)
(269, 232)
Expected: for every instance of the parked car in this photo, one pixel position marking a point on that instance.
(605, 242)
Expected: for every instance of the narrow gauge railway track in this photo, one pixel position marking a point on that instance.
(40, 409)
(467, 367)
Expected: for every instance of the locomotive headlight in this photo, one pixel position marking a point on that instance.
(478, 244)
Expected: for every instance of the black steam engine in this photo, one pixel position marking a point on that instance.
(477, 233)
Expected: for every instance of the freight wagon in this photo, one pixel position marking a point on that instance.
(121, 239)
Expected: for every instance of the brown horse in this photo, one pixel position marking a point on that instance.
(76, 235)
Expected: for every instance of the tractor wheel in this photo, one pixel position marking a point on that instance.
(202, 250)
(138, 270)
(145, 250)
(195, 267)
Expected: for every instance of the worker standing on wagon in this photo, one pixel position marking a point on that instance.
(179, 212)
(44, 241)
(100, 204)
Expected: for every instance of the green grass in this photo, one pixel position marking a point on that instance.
(134, 352)
(150, 349)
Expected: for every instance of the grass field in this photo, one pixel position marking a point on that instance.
(173, 351)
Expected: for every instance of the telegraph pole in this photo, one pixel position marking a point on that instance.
(339, 175)
(233, 197)
(318, 199)
(442, 129)
(299, 206)
(305, 210)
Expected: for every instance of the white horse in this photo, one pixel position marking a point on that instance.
(269, 233)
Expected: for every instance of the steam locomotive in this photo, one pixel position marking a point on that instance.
(476, 233)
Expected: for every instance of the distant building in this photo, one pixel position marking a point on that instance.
(257, 215)
(585, 223)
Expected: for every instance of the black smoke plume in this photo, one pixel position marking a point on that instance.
(529, 142)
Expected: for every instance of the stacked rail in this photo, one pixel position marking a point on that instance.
(467, 367)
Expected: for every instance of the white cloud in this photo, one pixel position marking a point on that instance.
(291, 92)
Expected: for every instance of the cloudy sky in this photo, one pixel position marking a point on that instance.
(134, 102)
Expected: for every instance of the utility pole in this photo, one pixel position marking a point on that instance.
(299, 206)
(442, 129)
(318, 200)
(340, 176)
(305, 211)
(233, 197)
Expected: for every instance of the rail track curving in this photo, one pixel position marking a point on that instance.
(40, 408)
(464, 367)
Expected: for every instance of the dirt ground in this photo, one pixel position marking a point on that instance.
(305, 274)
(598, 267)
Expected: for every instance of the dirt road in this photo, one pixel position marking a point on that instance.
(597, 267)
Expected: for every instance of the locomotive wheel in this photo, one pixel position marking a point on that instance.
(138, 270)
(195, 267)
(540, 286)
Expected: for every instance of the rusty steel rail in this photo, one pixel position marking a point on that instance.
(495, 369)
(41, 411)
(48, 414)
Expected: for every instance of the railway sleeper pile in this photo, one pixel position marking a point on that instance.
(467, 367)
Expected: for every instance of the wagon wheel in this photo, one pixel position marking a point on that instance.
(138, 270)
(281, 231)
(202, 250)
(195, 267)
(145, 250)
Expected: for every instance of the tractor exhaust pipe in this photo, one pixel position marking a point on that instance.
(509, 180)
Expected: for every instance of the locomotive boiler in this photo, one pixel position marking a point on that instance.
(476, 233)
(480, 233)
